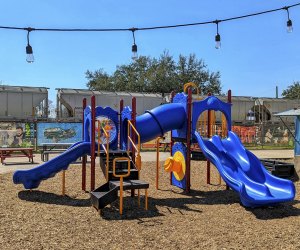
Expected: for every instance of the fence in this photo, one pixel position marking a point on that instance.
(33, 134)
(266, 135)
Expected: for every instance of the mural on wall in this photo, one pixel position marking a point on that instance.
(59, 132)
(15, 134)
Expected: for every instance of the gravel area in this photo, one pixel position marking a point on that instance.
(210, 217)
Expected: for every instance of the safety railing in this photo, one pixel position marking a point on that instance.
(104, 146)
(138, 160)
(121, 176)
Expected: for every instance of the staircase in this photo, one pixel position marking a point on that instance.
(108, 193)
(121, 166)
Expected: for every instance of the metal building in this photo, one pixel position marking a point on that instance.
(271, 106)
(22, 102)
(69, 101)
(257, 109)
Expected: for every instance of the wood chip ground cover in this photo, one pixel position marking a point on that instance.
(210, 217)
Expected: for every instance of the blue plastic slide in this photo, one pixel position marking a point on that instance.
(32, 178)
(244, 173)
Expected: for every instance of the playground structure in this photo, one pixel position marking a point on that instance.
(115, 138)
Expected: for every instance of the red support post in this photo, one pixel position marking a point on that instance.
(188, 140)
(172, 142)
(84, 158)
(133, 120)
(229, 96)
(228, 129)
(208, 135)
(121, 125)
(93, 149)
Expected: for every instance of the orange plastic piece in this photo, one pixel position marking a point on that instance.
(173, 165)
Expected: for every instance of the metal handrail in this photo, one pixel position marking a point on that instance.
(138, 161)
(106, 149)
(128, 166)
(121, 176)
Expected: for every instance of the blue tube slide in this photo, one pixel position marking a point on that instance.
(32, 178)
(244, 173)
(160, 120)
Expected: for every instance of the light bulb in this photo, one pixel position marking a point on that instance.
(218, 41)
(29, 53)
(289, 26)
(134, 52)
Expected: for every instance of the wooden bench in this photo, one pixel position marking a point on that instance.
(16, 152)
(53, 148)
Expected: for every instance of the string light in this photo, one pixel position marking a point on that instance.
(134, 46)
(217, 37)
(289, 23)
(29, 50)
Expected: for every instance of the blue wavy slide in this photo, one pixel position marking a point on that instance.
(244, 173)
(32, 178)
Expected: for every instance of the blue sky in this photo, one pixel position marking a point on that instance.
(256, 55)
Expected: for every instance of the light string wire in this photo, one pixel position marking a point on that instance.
(29, 50)
(149, 28)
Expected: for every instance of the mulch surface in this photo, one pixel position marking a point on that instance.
(210, 217)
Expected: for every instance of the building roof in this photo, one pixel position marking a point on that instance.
(8, 88)
(96, 92)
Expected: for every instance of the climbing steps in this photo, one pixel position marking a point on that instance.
(120, 167)
(108, 192)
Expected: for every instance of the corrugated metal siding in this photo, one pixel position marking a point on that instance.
(20, 104)
(112, 99)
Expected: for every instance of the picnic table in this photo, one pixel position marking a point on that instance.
(16, 152)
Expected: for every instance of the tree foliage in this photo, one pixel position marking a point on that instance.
(152, 75)
(292, 91)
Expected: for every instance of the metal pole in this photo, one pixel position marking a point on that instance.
(157, 161)
(63, 192)
(208, 135)
(93, 118)
(121, 125)
(121, 195)
(228, 128)
(171, 142)
(146, 199)
(188, 141)
(133, 119)
(84, 158)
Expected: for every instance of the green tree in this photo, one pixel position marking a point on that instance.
(162, 75)
(292, 91)
(98, 80)
(190, 69)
